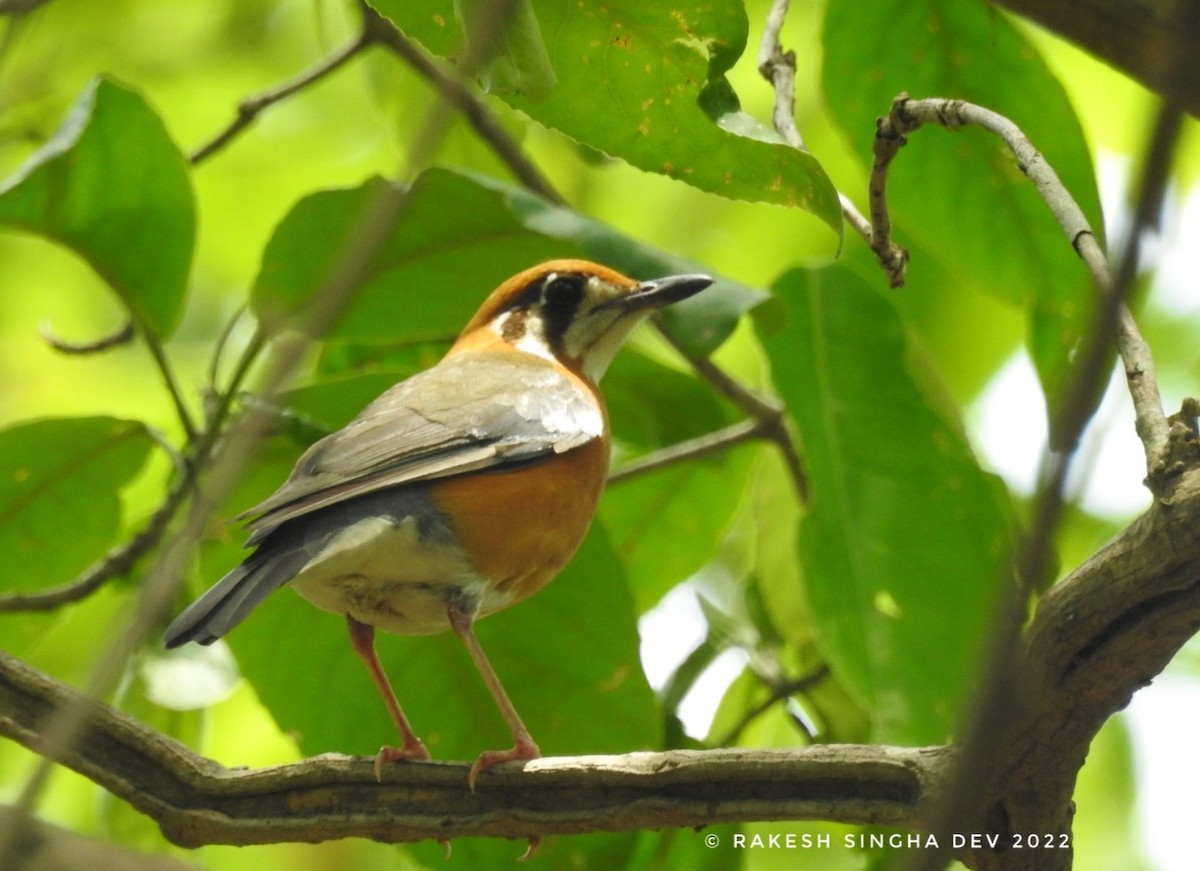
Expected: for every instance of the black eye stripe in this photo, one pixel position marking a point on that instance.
(563, 292)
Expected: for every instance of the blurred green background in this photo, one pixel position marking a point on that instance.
(892, 394)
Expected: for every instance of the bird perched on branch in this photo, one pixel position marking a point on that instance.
(458, 492)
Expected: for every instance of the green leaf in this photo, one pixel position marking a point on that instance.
(456, 239)
(668, 523)
(906, 538)
(962, 195)
(451, 245)
(636, 80)
(113, 187)
(515, 60)
(60, 482)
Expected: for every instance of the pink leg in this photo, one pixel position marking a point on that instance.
(523, 746)
(362, 639)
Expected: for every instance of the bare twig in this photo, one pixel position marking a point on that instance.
(161, 362)
(701, 446)
(780, 690)
(907, 115)
(769, 414)
(121, 336)
(779, 68)
(251, 107)
(892, 257)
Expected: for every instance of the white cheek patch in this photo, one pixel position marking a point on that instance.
(533, 335)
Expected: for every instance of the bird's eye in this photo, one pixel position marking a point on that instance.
(563, 292)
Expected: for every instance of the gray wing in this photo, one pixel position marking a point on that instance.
(451, 419)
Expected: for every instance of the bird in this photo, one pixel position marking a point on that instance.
(456, 493)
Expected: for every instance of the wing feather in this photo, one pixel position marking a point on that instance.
(445, 421)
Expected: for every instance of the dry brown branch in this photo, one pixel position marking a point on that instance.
(196, 801)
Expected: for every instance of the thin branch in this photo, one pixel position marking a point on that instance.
(116, 563)
(907, 115)
(161, 362)
(123, 335)
(892, 258)
(250, 108)
(700, 446)
(1152, 426)
(780, 690)
(473, 108)
(767, 412)
(779, 68)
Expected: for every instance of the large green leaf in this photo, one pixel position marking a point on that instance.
(59, 494)
(962, 194)
(906, 538)
(113, 187)
(456, 239)
(644, 80)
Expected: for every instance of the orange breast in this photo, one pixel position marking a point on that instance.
(520, 527)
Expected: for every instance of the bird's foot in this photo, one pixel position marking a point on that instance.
(521, 750)
(413, 751)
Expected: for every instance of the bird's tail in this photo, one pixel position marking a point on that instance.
(230, 599)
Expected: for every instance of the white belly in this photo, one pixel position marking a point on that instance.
(381, 573)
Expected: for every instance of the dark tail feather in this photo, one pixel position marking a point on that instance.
(230, 599)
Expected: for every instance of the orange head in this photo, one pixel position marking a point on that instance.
(571, 311)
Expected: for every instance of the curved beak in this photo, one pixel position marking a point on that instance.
(662, 292)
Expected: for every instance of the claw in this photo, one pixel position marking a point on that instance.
(411, 752)
(522, 750)
(531, 850)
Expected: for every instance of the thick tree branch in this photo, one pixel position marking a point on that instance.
(1097, 637)
(196, 801)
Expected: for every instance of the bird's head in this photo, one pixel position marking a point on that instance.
(573, 311)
